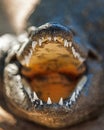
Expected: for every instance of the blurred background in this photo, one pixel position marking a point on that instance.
(14, 14)
(86, 16)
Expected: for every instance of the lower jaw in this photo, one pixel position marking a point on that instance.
(19, 91)
(51, 115)
(60, 96)
(53, 86)
(58, 116)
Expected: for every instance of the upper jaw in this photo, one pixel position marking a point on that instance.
(51, 32)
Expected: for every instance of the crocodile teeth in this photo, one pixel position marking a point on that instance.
(35, 96)
(73, 97)
(49, 38)
(49, 101)
(36, 100)
(77, 55)
(55, 38)
(34, 43)
(40, 42)
(66, 44)
(41, 103)
(81, 83)
(27, 57)
(70, 43)
(61, 101)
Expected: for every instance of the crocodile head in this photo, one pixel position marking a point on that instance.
(48, 76)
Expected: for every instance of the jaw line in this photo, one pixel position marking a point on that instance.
(63, 103)
(67, 103)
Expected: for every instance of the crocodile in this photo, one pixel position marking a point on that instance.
(66, 53)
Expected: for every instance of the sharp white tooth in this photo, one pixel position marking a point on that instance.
(49, 101)
(49, 38)
(26, 60)
(61, 101)
(76, 95)
(81, 59)
(81, 83)
(41, 103)
(76, 54)
(77, 92)
(73, 50)
(55, 38)
(70, 43)
(66, 43)
(27, 57)
(34, 43)
(73, 97)
(70, 103)
(40, 42)
(67, 104)
(35, 96)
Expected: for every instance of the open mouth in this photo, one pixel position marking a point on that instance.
(50, 79)
(53, 66)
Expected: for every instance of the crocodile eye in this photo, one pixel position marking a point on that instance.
(52, 64)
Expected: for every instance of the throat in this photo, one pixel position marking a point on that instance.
(53, 86)
(53, 70)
